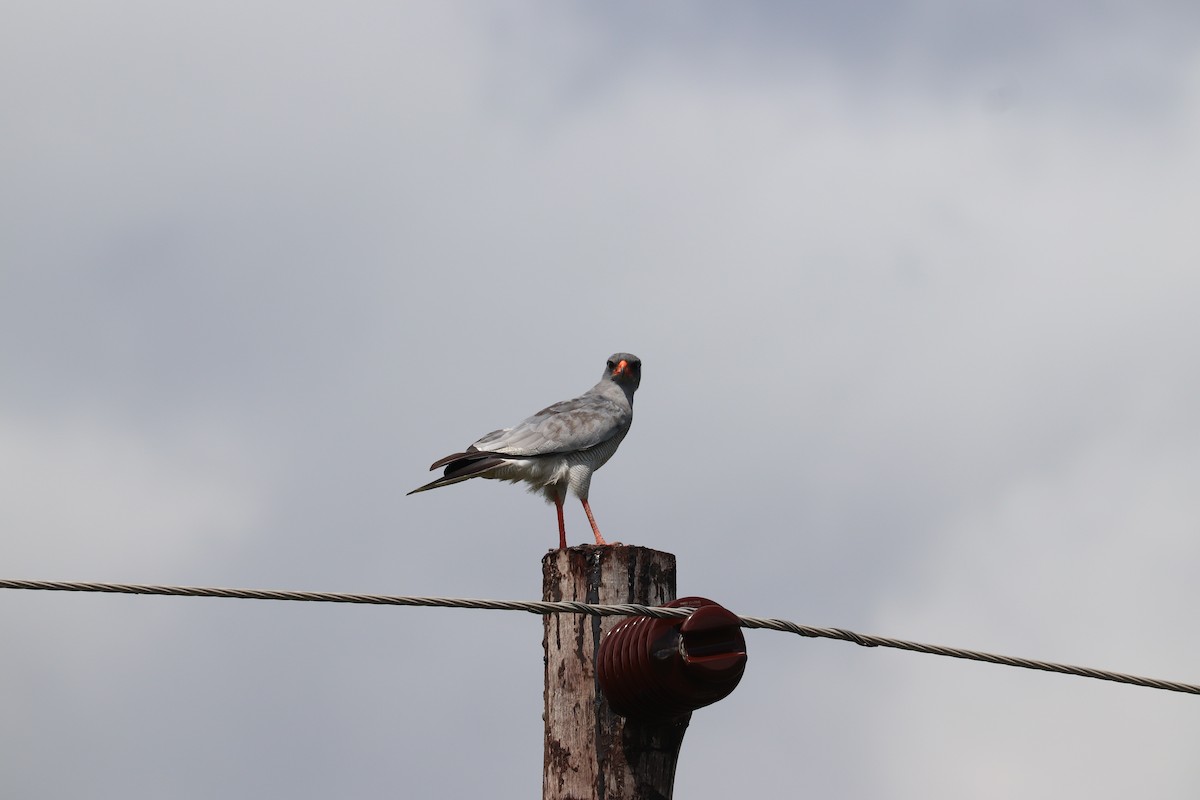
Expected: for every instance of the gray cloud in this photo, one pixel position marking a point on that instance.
(914, 291)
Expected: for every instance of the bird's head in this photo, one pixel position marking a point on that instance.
(624, 369)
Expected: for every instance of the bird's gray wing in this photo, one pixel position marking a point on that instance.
(564, 427)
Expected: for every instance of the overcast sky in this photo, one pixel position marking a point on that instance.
(915, 289)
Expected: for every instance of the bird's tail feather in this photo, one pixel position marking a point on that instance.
(443, 481)
(464, 467)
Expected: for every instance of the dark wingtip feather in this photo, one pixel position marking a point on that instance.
(470, 452)
(441, 462)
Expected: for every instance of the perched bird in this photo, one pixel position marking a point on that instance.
(559, 447)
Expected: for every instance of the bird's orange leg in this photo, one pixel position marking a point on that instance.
(588, 510)
(562, 528)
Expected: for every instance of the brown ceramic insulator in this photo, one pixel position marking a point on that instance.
(662, 668)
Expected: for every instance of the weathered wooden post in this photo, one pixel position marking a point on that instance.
(590, 752)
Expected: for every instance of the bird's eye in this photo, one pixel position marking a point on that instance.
(611, 365)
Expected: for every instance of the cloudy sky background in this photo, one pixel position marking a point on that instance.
(915, 287)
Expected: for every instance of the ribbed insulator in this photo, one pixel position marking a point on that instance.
(662, 668)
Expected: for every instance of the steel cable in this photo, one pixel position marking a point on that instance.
(627, 609)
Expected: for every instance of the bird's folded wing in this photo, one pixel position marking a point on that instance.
(564, 427)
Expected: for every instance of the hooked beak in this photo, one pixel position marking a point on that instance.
(621, 368)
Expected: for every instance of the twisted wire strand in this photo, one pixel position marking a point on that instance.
(624, 609)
